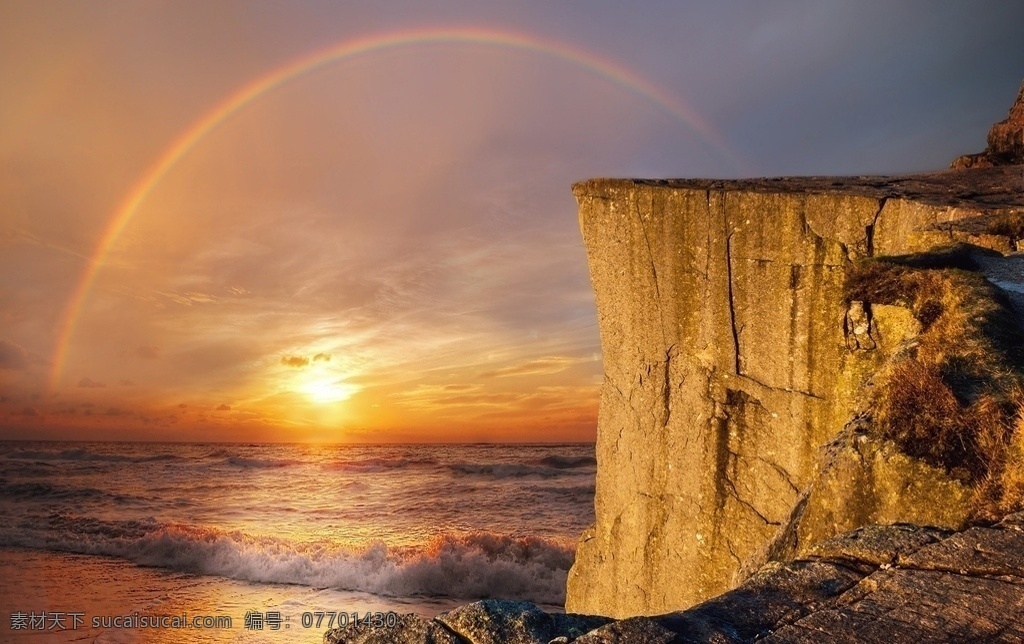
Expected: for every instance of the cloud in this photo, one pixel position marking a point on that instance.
(541, 366)
(14, 357)
(326, 357)
(296, 362)
(188, 298)
(89, 383)
(147, 352)
(182, 405)
(224, 408)
(124, 382)
(459, 387)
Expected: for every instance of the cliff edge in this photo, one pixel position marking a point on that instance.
(789, 359)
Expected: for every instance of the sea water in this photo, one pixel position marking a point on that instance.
(101, 530)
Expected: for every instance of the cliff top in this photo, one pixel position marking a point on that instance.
(986, 190)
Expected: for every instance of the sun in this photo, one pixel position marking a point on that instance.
(324, 391)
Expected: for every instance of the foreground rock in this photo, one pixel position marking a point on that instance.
(886, 584)
(484, 622)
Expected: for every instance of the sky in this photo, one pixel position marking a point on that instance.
(352, 222)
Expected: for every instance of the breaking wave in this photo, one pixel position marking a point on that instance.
(465, 566)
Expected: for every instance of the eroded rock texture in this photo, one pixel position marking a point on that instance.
(731, 359)
(886, 584)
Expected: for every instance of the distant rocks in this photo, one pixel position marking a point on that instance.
(1005, 141)
(887, 584)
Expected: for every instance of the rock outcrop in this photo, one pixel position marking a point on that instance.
(885, 584)
(732, 355)
(1005, 141)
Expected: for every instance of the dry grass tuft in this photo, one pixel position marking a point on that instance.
(1011, 225)
(958, 401)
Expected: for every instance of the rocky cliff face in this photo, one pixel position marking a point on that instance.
(733, 354)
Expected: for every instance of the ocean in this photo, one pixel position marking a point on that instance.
(286, 534)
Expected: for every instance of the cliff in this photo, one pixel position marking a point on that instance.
(741, 376)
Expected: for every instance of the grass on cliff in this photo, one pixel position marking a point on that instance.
(1009, 225)
(956, 400)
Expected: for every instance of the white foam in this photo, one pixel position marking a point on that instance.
(465, 566)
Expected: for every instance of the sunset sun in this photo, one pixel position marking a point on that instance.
(324, 391)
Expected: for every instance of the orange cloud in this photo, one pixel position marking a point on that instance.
(296, 362)
(15, 357)
(541, 366)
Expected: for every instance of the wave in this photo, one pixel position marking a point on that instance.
(568, 462)
(34, 491)
(86, 455)
(465, 566)
(258, 463)
(379, 464)
(562, 490)
(511, 470)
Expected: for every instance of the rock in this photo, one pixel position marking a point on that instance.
(489, 621)
(515, 622)
(968, 586)
(1005, 141)
(731, 357)
(411, 629)
(864, 481)
(896, 583)
(634, 629)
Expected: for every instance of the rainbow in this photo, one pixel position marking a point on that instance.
(248, 93)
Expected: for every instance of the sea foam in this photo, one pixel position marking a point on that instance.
(472, 565)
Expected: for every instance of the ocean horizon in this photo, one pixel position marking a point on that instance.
(288, 529)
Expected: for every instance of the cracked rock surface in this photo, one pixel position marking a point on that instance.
(731, 358)
(884, 584)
